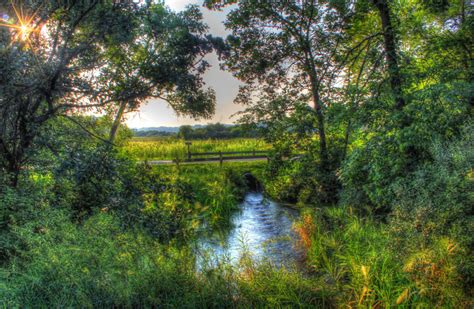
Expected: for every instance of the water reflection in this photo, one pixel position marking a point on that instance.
(262, 228)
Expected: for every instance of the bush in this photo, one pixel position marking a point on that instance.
(28, 204)
(391, 154)
(301, 180)
(99, 265)
(436, 202)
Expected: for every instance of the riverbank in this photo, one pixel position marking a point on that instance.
(144, 254)
(136, 258)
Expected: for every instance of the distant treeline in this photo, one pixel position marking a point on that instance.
(214, 131)
(145, 133)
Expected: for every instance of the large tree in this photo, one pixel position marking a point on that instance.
(287, 47)
(164, 61)
(391, 50)
(61, 57)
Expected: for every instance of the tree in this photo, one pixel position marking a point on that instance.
(391, 50)
(285, 46)
(185, 131)
(164, 61)
(63, 57)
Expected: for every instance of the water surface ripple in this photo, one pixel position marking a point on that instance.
(262, 228)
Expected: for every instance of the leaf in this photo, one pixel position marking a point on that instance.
(365, 272)
(403, 296)
(365, 291)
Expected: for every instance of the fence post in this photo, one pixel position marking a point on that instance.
(189, 150)
(220, 158)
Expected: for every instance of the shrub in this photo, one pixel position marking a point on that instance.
(391, 154)
(435, 203)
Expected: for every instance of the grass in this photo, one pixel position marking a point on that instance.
(159, 148)
(357, 257)
(216, 189)
(98, 263)
(351, 261)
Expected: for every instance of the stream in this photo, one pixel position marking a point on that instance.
(261, 228)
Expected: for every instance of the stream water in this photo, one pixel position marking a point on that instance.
(261, 228)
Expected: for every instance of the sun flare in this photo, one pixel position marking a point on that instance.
(23, 27)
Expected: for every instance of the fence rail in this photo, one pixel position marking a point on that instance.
(228, 155)
(195, 154)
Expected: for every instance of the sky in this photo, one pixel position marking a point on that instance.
(157, 113)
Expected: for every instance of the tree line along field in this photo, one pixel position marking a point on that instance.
(162, 148)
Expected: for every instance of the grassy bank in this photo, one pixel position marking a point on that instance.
(99, 265)
(215, 189)
(360, 259)
(107, 260)
(144, 257)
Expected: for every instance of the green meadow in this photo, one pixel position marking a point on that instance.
(159, 148)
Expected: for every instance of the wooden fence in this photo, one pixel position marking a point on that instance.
(223, 156)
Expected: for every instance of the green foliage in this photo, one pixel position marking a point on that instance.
(263, 285)
(295, 172)
(94, 56)
(27, 205)
(392, 154)
(99, 265)
(214, 191)
(84, 225)
(216, 131)
(435, 203)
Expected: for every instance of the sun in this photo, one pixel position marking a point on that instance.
(23, 27)
(24, 32)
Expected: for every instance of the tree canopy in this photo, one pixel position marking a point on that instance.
(357, 64)
(63, 57)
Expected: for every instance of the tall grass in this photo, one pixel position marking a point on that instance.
(148, 148)
(98, 264)
(216, 189)
(357, 257)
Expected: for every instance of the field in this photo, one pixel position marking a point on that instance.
(159, 148)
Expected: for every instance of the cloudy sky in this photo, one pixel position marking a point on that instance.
(156, 113)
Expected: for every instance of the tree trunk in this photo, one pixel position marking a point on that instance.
(11, 165)
(13, 171)
(391, 52)
(322, 132)
(117, 120)
(328, 183)
(320, 116)
(467, 59)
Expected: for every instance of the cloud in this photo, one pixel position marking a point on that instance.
(179, 5)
